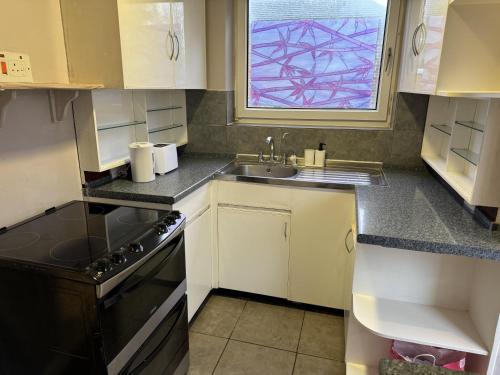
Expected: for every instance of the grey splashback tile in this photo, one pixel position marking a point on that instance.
(210, 111)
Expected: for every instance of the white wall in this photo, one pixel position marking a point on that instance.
(38, 159)
(35, 28)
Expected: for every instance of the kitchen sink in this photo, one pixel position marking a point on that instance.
(261, 170)
(337, 175)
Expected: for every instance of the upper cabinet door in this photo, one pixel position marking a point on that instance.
(188, 28)
(409, 61)
(422, 45)
(147, 43)
(140, 44)
(429, 44)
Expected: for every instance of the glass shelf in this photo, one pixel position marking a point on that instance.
(167, 108)
(446, 129)
(163, 128)
(468, 155)
(122, 125)
(471, 125)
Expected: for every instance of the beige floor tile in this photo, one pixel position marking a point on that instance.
(204, 352)
(307, 365)
(269, 325)
(248, 359)
(219, 316)
(323, 336)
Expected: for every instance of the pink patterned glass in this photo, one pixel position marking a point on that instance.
(315, 63)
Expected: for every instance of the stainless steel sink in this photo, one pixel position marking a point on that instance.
(261, 170)
(337, 175)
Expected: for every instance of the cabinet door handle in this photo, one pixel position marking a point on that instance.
(172, 46)
(422, 39)
(345, 242)
(178, 46)
(413, 41)
(285, 230)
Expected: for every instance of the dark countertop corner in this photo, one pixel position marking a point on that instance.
(416, 212)
(194, 171)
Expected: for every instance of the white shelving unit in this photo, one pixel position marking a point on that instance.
(461, 143)
(418, 323)
(107, 121)
(439, 300)
(166, 116)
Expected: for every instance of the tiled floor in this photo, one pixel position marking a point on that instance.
(235, 336)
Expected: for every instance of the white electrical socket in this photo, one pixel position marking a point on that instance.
(15, 67)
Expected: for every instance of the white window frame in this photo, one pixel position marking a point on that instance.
(378, 118)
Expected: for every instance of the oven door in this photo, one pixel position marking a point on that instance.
(133, 309)
(165, 351)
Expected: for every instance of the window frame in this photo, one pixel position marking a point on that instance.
(379, 118)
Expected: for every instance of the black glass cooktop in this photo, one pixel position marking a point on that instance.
(77, 234)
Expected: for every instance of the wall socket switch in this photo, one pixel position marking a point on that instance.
(15, 67)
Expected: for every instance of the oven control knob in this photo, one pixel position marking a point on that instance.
(169, 220)
(118, 257)
(161, 228)
(176, 214)
(135, 247)
(102, 266)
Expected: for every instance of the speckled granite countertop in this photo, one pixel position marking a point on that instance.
(416, 212)
(194, 171)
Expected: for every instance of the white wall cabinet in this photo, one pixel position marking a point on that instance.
(422, 44)
(107, 121)
(136, 44)
(320, 223)
(451, 49)
(461, 143)
(254, 249)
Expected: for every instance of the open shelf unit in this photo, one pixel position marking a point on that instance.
(438, 300)
(418, 323)
(107, 121)
(461, 143)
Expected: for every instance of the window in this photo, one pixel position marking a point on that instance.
(316, 62)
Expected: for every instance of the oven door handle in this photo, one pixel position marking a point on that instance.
(126, 289)
(156, 350)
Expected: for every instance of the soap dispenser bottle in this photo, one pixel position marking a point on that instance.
(320, 155)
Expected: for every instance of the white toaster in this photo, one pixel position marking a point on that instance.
(165, 157)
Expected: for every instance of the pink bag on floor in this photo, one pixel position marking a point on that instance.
(415, 353)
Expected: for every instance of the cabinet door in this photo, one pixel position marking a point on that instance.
(190, 44)
(198, 260)
(409, 60)
(321, 222)
(147, 43)
(429, 44)
(254, 250)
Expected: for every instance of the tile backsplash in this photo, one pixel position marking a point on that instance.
(209, 112)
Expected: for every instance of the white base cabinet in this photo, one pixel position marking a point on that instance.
(199, 245)
(254, 249)
(198, 236)
(252, 243)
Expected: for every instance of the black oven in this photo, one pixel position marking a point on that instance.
(99, 289)
(150, 300)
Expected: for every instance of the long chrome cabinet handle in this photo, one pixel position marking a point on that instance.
(178, 46)
(413, 41)
(172, 45)
(422, 39)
